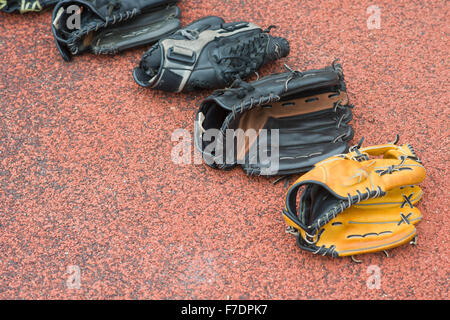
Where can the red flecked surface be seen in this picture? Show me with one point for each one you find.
(86, 176)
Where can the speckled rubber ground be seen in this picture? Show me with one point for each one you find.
(86, 178)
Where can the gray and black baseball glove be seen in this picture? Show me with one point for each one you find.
(208, 54)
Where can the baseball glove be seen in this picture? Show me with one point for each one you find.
(352, 204)
(280, 124)
(110, 26)
(24, 6)
(208, 54)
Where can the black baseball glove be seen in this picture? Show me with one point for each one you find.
(24, 6)
(305, 115)
(208, 54)
(109, 26)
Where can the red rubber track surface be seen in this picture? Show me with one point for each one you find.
(86, 177)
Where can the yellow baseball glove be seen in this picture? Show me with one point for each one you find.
(357, 202)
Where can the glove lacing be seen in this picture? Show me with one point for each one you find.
(244, 58)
